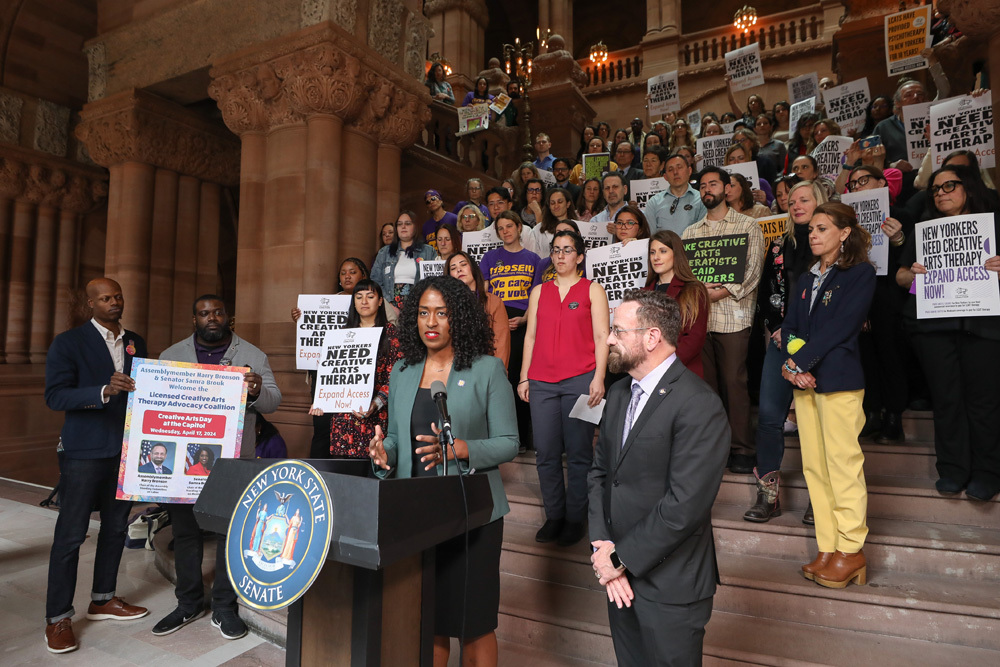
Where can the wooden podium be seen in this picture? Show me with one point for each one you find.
(373, 602)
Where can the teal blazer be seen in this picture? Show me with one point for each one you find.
(474, 393)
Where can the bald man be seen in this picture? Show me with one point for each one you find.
(87, 376)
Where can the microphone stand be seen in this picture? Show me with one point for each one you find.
(446, 439)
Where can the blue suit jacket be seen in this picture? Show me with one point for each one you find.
(149, 467)
(77, 366)
(831, 330)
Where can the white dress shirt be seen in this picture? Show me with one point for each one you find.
(116, 347)
(648, 384)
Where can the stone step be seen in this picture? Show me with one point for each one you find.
(905, 459)
(917, 425)
(915, 547)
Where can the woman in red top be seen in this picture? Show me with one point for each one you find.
(565, 357)
(669, 272)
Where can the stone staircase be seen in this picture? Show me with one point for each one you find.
(933, 593)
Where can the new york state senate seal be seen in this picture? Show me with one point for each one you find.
(279, 535)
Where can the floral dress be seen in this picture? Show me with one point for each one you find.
(350, 436)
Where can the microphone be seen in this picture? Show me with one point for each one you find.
(440, 395)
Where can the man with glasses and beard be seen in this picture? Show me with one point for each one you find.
(657, 468)
(214, 343)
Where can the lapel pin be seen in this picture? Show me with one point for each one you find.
(461, 383)
(130, 348)
(663, 392)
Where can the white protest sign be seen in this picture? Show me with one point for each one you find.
(548, 178)
(641, 190)
(664, 95)
(713, 149)
(728, 127)
(907, 34)
(798, 110)
(915, 119)
(473, 118)
(694, 122)
(803, 87)
(619, 268)
(320, 313)
(847, 104)
(872, 209)
(828, 154)
(744, 66)
(477, 244)
(430, 268)
(956, 283)
(345, 379)
(500, 103)
(747, 170)
(964, 123)
(595, 234)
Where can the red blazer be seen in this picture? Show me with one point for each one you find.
(692, 338)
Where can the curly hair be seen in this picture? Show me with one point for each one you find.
(471, 333)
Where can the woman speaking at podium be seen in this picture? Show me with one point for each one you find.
(445, 336)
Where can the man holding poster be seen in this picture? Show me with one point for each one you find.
(214, 343)
(87, 377)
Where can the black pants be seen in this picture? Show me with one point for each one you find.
(83, 485)
(962, 369)
(188, 552)
(649, 634)
(883, 350)
(514, 375)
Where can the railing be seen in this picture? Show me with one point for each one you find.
(620, 66)
(774, 33)
(494, 152)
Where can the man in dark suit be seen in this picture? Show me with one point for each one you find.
(657, 468)
(87, 376)
(157, 455)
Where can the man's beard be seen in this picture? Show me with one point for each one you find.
(621, 362)
(210, 336)
(711, 201)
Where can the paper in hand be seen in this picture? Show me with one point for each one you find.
(586, 413)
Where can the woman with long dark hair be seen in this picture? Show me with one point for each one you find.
(480, 93)
(462, 267)
(591, 200)
(395, 267)
(820, 338)
(445, 337)
(558, 207)
(435, 82)
(799, 143)
(630, 224)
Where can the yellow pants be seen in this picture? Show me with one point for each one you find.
(833, 464)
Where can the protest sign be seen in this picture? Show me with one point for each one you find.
(907, 34)
(473, 118)
(477, 244)
(828, 154)
(718, 259)
(728, 127)
(547, 177)
(664, 96)
(345, 378)
(915, 119)
(744, 66)
(595, 234)
(798, 110)
(619, 268)
(694, 122)
(748, 170)
(181, 419)
(848, 104)
(429, 268)
(956, 283)
(595, 165)
(773, 227)
(642, 190)
(500, 103)
(803, 87)
(872, 209)
(964, 123)
(713, 149)
(320, 313)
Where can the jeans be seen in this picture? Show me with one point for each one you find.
(85, 484)
(775, 399)
(188, 552)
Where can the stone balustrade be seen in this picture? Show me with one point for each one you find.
(621, 66)
(493, 152)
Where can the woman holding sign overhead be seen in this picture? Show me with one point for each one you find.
(960, 355)
(565, 357)
(445, 337)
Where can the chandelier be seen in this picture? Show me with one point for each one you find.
(436, 58)
(745, 18)
(599, 53)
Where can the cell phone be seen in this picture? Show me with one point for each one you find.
(870, 142)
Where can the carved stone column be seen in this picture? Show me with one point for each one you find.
(557, 102)
(557, 16)
(663, 30)
(459, 34)
(44, 269)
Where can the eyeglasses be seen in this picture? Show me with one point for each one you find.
(563, 251)
(432, 198)
(625, 223)
(947, 186)
(469, 216)
(618, 332)
(673, 207)
(534, 190)
(859, 182)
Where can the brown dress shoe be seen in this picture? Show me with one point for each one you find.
(809, 571)
(842, 570)
(59, 637)
(115, 609)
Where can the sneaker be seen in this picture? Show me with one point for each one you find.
(176, 620)
(59, 637)
(230, 624)
(790, 428)
(549, 531)
(115, 609)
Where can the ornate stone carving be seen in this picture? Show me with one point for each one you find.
(345, 13)
(79, 196)
(385, 26)
(418, 32)
(42, 179)
(11, 178)
(556, 67)
(51, 127)
(322, 79)
(97, 72)
(979, 19)
(43, 185)
(312, 12)
(241, 98)
(10, 117)
(404, 122)
(475, 8)
(136, 126)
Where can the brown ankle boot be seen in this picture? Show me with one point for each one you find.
(767, 505)
(842, 570)
(809, 571)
